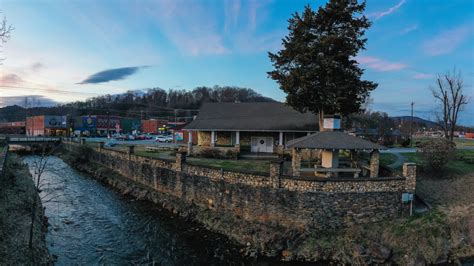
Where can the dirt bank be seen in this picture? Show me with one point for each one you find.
(16, 200)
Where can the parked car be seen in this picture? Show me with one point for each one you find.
(140, 137)
(120, 137)
(169, 138)
(161, 139)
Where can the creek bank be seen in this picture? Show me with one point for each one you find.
(192, 227)
(425, 238)
(16, 201)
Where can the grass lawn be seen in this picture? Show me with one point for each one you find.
(387, 158)
(455, 166)
(159, 155)
(464, 142)
(261, 166)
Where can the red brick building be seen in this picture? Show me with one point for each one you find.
(12, 127)
(154, 126)
(46, 125)
(107, 123)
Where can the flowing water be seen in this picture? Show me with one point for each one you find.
(92, 224)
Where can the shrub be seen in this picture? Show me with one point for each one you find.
(211, 153)
(231, 154)
(437, 153)
(406, 142)
(387, 142)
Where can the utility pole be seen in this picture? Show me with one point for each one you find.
(411, 125)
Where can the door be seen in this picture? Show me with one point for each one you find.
(262, 144)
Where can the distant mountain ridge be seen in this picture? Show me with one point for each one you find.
(416, 119)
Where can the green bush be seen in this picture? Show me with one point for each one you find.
(232, 154)
(437, 153)
(406, 142)
(215, 153)
(211, 153)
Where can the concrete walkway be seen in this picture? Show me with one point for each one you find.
(399, 162)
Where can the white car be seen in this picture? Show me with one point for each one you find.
(161, 139)
(169, 138)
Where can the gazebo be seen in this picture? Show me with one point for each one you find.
(329, 143)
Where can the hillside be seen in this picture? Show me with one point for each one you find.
(144, 104)
(416, 120)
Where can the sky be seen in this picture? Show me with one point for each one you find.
(62, 51)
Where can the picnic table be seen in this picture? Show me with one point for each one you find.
(329, 171)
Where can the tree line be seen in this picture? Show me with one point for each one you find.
(143, 104)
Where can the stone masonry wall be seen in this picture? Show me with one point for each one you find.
(273, 200)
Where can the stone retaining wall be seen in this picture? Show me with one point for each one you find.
(273, 200)
(3, 158)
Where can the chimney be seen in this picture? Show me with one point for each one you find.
(332, 123)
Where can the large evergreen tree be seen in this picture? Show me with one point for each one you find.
(316, 67)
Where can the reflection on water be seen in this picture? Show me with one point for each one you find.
(92, 224)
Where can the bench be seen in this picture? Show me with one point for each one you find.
(329, 171)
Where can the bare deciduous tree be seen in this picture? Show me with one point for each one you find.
(39, 167)
(449, 93)
(5, 31)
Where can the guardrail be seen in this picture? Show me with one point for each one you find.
(33, 139)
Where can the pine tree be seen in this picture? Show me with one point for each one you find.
(317, 67)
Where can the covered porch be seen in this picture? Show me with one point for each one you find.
(340, 155)
(249, 142)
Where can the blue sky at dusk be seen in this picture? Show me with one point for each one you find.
(72, 50)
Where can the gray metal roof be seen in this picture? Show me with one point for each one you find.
(333, 140)
(261, 116)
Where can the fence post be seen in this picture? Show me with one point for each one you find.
(101, 145)
(180, 161)
(409, 172)
(276, 170)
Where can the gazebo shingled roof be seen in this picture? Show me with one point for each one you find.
(331, 140)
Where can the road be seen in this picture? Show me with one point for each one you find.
(399, 150)
(149, 142)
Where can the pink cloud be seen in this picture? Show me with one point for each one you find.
(10, 80)
(378, 64)
(447, 41)
(409, 29)
(380, 14)
(423, 76)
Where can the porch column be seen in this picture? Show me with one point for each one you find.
(374, 163)
(280, 150)
(213, 139)
(237, 141)
(190, 143)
